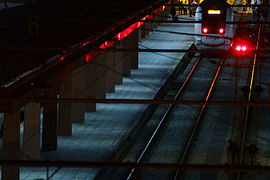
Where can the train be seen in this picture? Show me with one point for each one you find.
(213, 32)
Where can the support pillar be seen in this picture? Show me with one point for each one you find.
(78, 91)
(143, 32)
(91, 85)
(125, 56)
(152, 24)
(49, 130)
(156, 18)
(11, 144)
(110, 79)
(101, 72)
(64, 120)
(140, 34)
(31, 133)
(84, 82)
(118, 66)
(134, 45)
(147, 28)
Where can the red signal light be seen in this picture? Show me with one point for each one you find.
(204, 30)
(221, 30)
(244, 48)
(238, 48)
(241, 48)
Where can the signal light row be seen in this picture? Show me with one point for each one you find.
(241, 48)
(220, 30)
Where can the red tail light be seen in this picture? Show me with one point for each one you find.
(205, 30)
(221, 31)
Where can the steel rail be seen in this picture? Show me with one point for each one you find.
(197, 123)
(244, 127)
(164, 119)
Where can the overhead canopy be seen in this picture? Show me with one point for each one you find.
(214, 3)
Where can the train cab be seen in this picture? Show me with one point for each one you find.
(213, 32)
(213, 21)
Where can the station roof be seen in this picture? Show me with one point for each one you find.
(61, 24)
(211, 3)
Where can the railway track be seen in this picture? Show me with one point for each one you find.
(198, 134)
(185, 139)
(248, 144)
(179, 124)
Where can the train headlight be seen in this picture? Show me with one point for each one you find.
(221, 30)
(205, 30)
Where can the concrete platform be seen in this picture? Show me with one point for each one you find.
(103, 130)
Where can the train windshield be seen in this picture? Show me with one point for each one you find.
(214, 21)
(214, 16)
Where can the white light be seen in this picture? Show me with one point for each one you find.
(221, 30)
(244, 48)
(238, 48)
(213, 11)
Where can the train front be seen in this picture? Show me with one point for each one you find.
(213, 32)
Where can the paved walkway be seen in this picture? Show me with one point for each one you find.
(102, 131)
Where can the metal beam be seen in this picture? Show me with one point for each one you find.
(134, 101)
(188, 167)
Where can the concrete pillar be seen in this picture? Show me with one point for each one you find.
(78, 91)
(110, 79)
(49, 126)
(64, 120)
(31, 133)
(87, 81)
(101, 72)
(144, 31)
(72, 86)
(157, 18)
(152, 24)
(125, 43)
(11, 144)
(140, 34)
(91, 85)
(118, 66)
(147, 28)
(134, 45)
